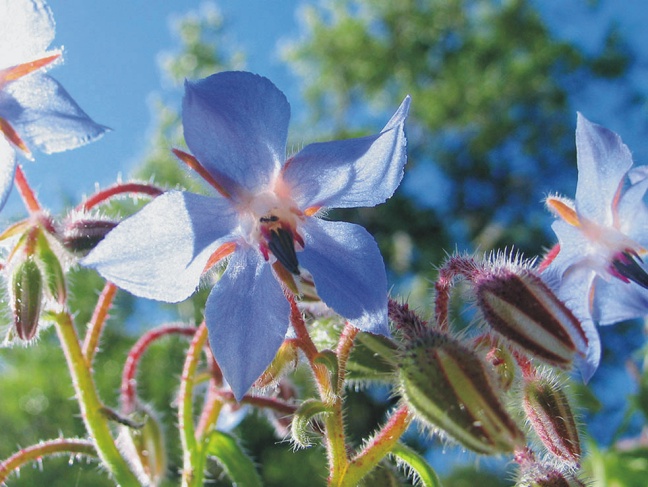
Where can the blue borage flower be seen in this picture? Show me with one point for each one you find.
(599, 270)
(35, 110)
(265, 220)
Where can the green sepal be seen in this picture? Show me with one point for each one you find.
(52, 269)
(238, 466)
(301, 419)
(427, 476)
(373, 358)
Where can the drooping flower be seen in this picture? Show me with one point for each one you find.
(35, 110)
(264, 219)
(598, 269)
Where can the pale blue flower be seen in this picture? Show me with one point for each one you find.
(236, 124)
(603, 234)
(35, 110)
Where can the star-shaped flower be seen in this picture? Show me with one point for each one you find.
(598, 269)
(264, 219)
(35, 110)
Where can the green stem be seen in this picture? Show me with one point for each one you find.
(91, 407)
(96, 325)
(376, 449)
(191, 475)
(33, 453)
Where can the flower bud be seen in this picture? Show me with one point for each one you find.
(519, 306)
(145, 447)
(52, 270)
(27, 298)
(448, 386)
(542, 476)
(548, 410)
(500, 358)
(81, 236)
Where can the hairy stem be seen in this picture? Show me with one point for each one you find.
(59, 446)
(91, 407)
(97, 322)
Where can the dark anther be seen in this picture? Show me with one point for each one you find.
(282, 245)
(268, 219)
(628, 264)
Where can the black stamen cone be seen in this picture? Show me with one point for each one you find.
(630, 267)
(282, 245)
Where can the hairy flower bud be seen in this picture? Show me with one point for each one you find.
(542, 476)
(548, 410)
(27, 298)
(518, 304)
(286, 359)
(448, 386)
(81, 236)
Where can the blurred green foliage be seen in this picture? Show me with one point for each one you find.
(491, 90)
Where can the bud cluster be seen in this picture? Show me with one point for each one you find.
(467, 387)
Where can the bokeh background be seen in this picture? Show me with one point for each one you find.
(495, 84)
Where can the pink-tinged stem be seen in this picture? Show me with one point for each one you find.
(26, 193)
(345, 344)
(60, 446)
(118, 190)
(97, 322)
(191, 476)
(456, 266)
(377, 448)
(92, 409)
(129, 376)
(334, 421)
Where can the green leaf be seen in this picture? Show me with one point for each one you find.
(426, 474)
(237, 465)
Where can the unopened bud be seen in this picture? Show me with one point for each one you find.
(542, 476)
(519, 306)
(500, 358)
(450, 388)
(81, 236)
(145, 447)
(27, 298)
(52, 269)
(548, 410)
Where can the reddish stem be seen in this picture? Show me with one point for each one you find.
(304, 340)
(117, 190)
(98, 320)
(26, 193)
(129, 380)
(345, 344)
(51, 447)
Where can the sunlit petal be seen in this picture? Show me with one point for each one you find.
(45, 116)
(247, 318)
(26, 31)
(236, 124)
(348, 271)
(161, 251)
(350, 173)
(7, 169)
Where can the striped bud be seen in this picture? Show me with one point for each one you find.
(448, 386)
(548, 410)
(27, 298)
(542, 476)
(81, 236)
(519, 306)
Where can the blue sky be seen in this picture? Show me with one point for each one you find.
(112, 47)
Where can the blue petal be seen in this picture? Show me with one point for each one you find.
(26, 30)
(161, 251)
(45, 116)
(633, 212)
(616, 301)
(348, 271)
(350, 173)
(236, 124)
(603, 161)
(7, 169)
(247, 317)
(573, 247)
